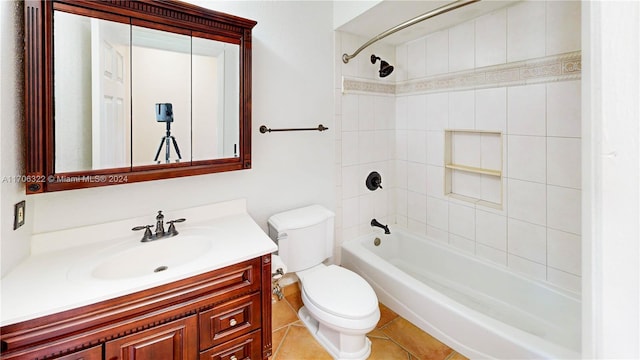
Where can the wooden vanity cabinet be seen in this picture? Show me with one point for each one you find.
(223, 314)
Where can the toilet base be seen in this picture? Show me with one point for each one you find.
(339, 345)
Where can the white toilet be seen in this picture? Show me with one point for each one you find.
(340, 307)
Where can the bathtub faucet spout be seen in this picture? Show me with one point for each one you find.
(375, 222)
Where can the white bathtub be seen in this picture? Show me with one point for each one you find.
(479, 309)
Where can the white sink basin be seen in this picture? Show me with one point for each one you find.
(132, 258)
(154, 256)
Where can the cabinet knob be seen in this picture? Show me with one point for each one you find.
(232, 322)
(233, 357)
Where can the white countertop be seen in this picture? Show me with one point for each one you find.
(56, 278)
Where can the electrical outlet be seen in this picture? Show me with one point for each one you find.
(18, 214)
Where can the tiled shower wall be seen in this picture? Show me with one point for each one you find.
(537, 230)
(365, 142)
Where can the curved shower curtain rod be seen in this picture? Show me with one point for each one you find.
(441, 10)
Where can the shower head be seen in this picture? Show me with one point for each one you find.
(385, 68)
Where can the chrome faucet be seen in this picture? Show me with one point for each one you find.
(159, 232)
(375, 222)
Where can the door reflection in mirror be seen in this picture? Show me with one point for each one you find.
(92, 93)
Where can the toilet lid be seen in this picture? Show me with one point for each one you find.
(340, 292)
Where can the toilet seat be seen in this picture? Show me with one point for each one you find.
(340, 292)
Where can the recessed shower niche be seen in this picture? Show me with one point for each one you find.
(473, 166)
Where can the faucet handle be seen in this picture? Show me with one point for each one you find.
(172, 228)
(141, 227)
(147, 232)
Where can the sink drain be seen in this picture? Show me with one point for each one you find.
(160, 268)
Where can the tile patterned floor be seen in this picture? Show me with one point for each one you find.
(393, 338)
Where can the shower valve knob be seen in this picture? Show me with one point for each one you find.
(374, 181)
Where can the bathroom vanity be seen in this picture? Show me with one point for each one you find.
(62, 303)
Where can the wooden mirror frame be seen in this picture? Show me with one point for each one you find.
(169, 15)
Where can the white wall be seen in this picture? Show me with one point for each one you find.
(291, 88)
(611, 294)
(14, 244)
(345, 10)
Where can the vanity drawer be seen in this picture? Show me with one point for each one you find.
(228, 320)
(94, 353)
(243, 348)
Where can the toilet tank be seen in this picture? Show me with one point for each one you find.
(304, 236)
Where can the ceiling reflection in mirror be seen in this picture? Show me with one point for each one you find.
(109, 78)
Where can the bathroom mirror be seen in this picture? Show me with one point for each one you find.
(98, 75)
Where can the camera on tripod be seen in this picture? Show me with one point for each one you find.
(164, 113)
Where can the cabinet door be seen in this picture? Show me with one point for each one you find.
(177, 340)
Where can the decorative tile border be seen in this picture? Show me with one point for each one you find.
(364, 86)
(561, 67)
